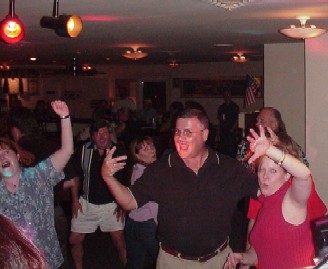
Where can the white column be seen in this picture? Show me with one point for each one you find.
(316, 66)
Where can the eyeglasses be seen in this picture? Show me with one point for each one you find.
(186, 132)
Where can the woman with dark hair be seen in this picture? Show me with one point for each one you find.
(141, 223)
(281, 237)
(16, 250)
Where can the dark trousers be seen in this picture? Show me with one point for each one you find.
(140, 239)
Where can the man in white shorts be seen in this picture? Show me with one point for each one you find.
(96, 206)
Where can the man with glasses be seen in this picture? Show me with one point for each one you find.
(96, 206)
(197, 191)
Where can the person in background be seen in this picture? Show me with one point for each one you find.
(42, 114)
(96, 207)
(141, 224)
(16, 250)
(148, 114)
(26, 194)
(281, 237)
(228, 125)
(165, 142)
(102, 111)
(197, 190)
(124, 100)
(127, 128)
(269, 117)
(170, 117)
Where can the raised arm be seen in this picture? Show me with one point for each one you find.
(301, 183)
(122, 194)
(60, 158)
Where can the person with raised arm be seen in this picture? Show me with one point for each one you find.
(26, 194)
(281, 237)
(188, 185)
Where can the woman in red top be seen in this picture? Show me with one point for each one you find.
(281, 237)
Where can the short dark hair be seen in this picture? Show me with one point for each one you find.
(195, 113)
(136, 146)
(24, 120)
(98, 124)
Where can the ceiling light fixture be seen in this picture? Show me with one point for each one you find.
(4, 67)
(229, 4)
(11, 28)
(239, 58)
(135, 54)
(64, 25)
(173, 64)
(303, 31)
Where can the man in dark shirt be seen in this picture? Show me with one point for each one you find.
(96, 206)
(197, 191)
(228, 125)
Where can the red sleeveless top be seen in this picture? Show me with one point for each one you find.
(279, 244)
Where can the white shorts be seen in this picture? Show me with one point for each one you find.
(94, 216)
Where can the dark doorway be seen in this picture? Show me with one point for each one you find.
(156, 92)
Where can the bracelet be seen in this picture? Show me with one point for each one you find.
(65, 117)
(282, 159)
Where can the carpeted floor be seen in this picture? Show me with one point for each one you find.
(99, 253)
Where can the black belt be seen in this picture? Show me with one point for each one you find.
(191, 258)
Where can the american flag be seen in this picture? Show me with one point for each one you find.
(251, 89)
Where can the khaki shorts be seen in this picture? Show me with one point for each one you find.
(94, 216)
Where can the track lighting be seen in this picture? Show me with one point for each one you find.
(64, 25)
(11, 28)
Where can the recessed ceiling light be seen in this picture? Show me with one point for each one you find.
(107, 59)
(33, 59)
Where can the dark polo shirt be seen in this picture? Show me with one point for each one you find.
(194, 210)
(98, 191)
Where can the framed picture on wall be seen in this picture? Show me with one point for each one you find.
(33, 87)
(196, 88)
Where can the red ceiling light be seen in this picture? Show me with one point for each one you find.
(11, 28)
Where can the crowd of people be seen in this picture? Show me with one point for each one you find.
(171, 195)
